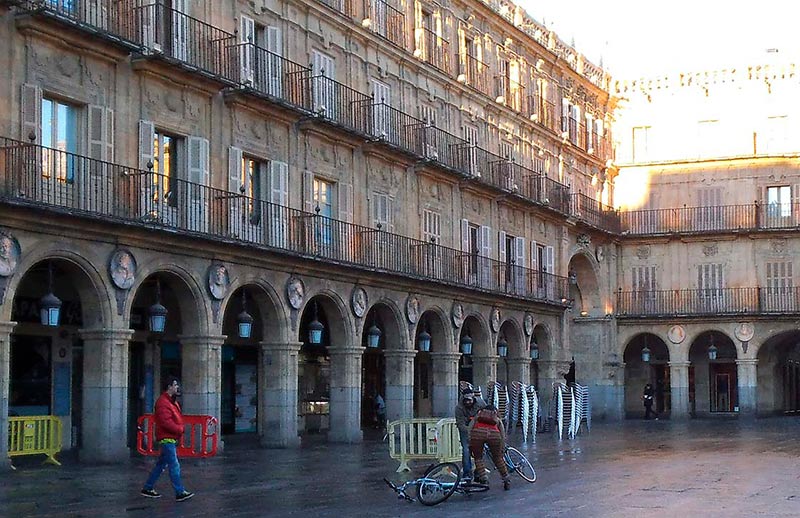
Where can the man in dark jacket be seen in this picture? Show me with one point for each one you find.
(169, 429)
(465, 412)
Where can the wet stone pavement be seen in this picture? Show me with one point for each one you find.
(708, 468)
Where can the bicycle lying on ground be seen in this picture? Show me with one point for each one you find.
(517, 462)
(437, 484)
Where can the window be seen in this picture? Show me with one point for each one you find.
(165, 167)
(260, 58)
(641, 137)
(323, 198)
(470, 134)
(323, 73)
(710, 214)
(779, 202)
(643, 278)
(382, 211)
(779, 293)
(381, 115)
(431, 226)
(711, 284)
(59, 132)
(253, 172)
(428, 114)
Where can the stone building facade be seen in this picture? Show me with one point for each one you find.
(417, 167)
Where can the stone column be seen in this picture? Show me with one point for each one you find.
(519, 369)
(5, 365)
(484, 370)
(277, 400)
(679, 389)
(747, 376)
(399, 395)
(201, 374)
(345, 400)
(105, 395)
(550, 371)
(445, 383)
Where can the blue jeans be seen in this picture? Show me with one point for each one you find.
(167, 458)
(466, 458)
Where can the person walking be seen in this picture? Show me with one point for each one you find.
(169, 429)
(648, 398)
(487, 428)
(465, 412)
(380, 411)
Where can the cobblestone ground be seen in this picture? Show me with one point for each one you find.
(711, 468)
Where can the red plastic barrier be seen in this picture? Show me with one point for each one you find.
(199, 440)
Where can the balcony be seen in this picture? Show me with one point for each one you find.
(723, 218)
(265, 74)
(433, 49)
(57, 181)
(475, 73)
(708, 302)
(595, 213)
(345, 7)
(511, 94)
(339, 104)
(386, 21)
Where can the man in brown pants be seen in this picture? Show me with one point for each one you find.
(487, 428)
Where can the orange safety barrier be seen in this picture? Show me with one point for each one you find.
(199, 440)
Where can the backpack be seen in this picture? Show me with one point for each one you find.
(487, 416)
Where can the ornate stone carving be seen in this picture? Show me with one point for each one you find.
(295, 292)
(744, 332)
(643, 252)
(676, 334)
(358, 301)
(710, 250)
(583, 240)
(527, 324)
(10, 252)
(778, 246)
(412, 309)
(457, 314)
(218, 281)
(494, 320)
(122, 269)
(67, 64)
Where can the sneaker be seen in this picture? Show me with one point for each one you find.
(506, 484)
(186, 495)
(482, 480)
(150, 493)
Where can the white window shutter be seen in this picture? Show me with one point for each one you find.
(146, 138)
(519, 251)
(345, 193)
(549, 255)
(31, 113)
(796, 203)
(486, 244)
(247, 37)
(108, 133)
(501, 247)
(95, 130)
(235, 170)
(308, 191)
(274, 40)
(534, 256)
(465, 236)
(197, 158)
(274, 62)
(389, 214)
(279, 183)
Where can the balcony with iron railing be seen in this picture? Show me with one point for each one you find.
(385, 20)
(339, 104)
(712, 219)
(510, 93)
(266, 74)
(433, 49)
(53, 180)
(345, 7)
(709, 302)
(595, 213)
(475, 73)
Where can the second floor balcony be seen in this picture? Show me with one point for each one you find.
(433, 49)
(510, 93)
(66, 183)
(384, 19)
(709, 302)
(475, 73)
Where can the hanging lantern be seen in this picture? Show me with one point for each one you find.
(424, 341)
(50, 305)
(502, 348)
(712, 350)
(373, 336)
(157, 314)
(244, 320)
(315, 329)
(534, 351)
(466, 344)
(646, 354)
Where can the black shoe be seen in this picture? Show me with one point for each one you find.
(506, 484)
(186, 495)
(150, 493)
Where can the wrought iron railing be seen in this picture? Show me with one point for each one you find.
(397, 128)
(345, 7)
(435, 49)
(595, 213)
(700, 302)
(268, 74)
(476, 74)
(386, 20)
(510, 93)
(56, 180)
(338, 103)
(723, 218)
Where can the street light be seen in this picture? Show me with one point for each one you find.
(534, 350)
(315, 328)
(50, 305)
(466, 344)
(645, 351)
(245, 320)
(502, 348)
(424, 341)
(712, 349)
(157, 313)
(373, 335)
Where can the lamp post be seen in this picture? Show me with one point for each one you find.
(534, 350)
(315, 328)
(502, 347)
(373, 335)
(50, 305)
(157, 313)
(712, 349)
(244, 320)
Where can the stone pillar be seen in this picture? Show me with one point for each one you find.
(201, 374)
(105, 395)
(550, 371)
(747, 376)
(445, 383)
(399, 395)
(679, 389)
(277, 400)
(5, 365)
(484, 370)
(345, 400)
(519, 369)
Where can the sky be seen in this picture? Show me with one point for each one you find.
(645, 38)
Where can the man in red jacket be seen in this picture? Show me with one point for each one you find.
(169, 429)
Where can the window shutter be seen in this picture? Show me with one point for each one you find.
(501, 248)
(235, 170)
(519, 252)
(108, 132)
(465, 236)
(197, 149)
(274, 40)
(274, 63)
(247, 35)
(534, 256)
(31, 113)
(308, 191)
(796, 203)
(95, 130)
(390, 214)
(345, 202)
(279, 183)
(146, 137)
(486, 244)
(549, 259)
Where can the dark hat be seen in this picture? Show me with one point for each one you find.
(467, 393)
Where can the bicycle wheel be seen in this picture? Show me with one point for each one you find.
(473, 487)
(438, 483)
(520, 464)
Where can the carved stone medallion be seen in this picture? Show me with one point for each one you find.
(358, 301)
(744, 332)
(457, 314)
(218, 281)
(122, 269)
(9, 254)
(527, 324)
(676, 334)
(412, 309)
(495, 320)
(295, 292)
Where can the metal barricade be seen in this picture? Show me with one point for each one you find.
(448, 439)
(35, 435)
(431, 438)
(199, 439)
